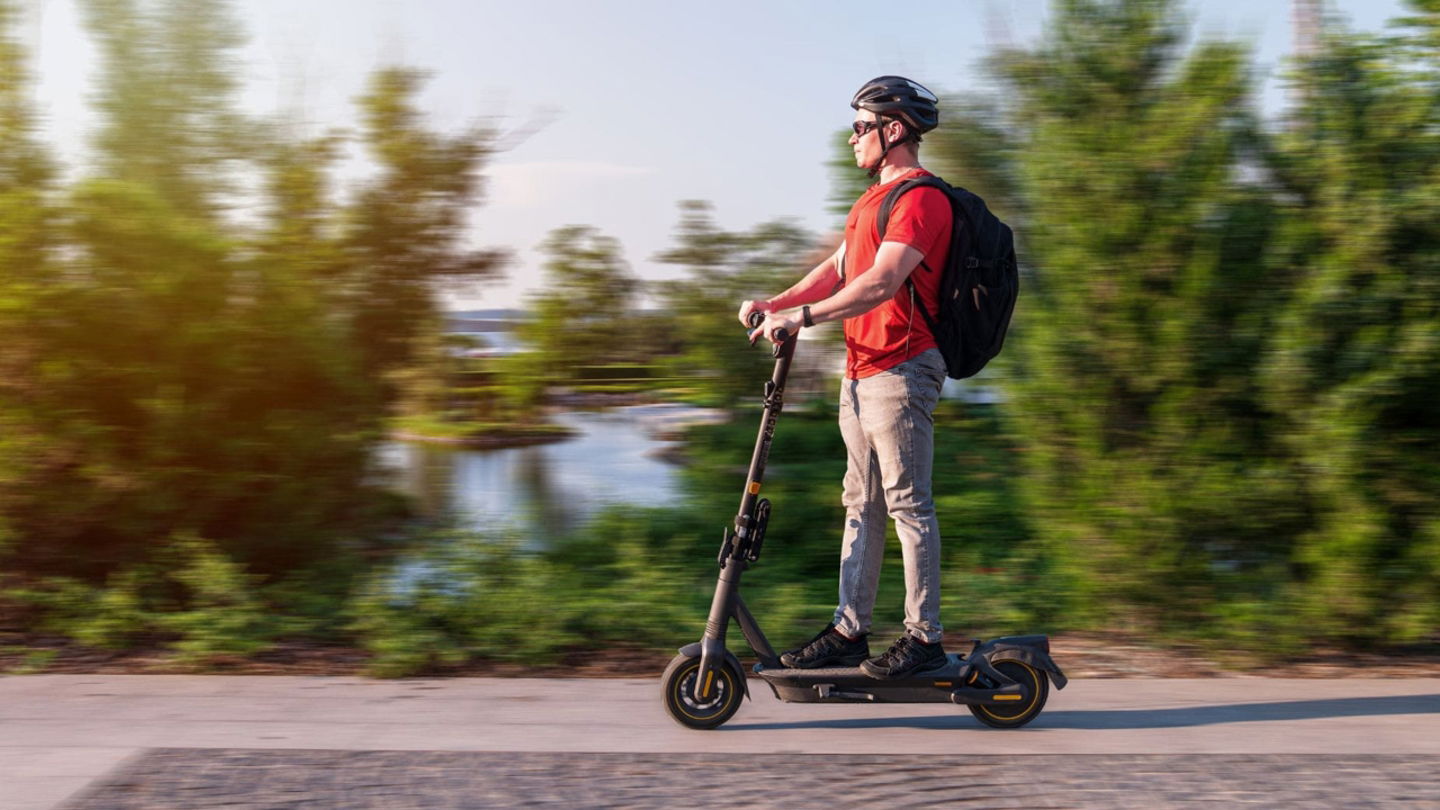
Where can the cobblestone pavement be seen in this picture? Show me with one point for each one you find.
(196, 779)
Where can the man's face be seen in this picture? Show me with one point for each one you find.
(865, 140)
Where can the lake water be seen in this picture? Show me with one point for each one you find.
(540, 490)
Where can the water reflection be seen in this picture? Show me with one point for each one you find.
(540, 490)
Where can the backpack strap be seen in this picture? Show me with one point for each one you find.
(882, 219)
(924, 313)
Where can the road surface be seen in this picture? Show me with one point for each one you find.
(131, 741)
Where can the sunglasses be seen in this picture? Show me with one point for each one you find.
(862, 127)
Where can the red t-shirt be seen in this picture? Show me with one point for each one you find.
(893, 331)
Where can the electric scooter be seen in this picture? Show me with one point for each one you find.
(1004, 682)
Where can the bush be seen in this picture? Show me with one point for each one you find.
(194, 600)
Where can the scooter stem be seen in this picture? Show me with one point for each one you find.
(733, 559)
(774, 403)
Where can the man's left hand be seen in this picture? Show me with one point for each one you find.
(774, 321)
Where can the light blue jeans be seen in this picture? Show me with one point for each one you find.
(888, 424)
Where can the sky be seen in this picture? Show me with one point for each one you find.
(613, 112)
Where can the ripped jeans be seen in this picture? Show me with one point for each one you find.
(889, 430)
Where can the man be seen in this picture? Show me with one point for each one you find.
(892, 381)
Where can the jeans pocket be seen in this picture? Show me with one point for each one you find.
(931, 360)
(925, 376)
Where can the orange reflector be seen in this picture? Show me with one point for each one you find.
(754, 487)
(942, 683)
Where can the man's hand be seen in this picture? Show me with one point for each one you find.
(749, 307)
(776, 320)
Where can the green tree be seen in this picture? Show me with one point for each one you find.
(181, 373)
(726, 268)
(1131, 375)
(586, 314)
(405, 235)
(166, 98)
(1353, 370)
(973, 147)
(27, 234)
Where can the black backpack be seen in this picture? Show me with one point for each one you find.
(978, 284)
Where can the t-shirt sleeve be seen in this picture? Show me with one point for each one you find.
(919, 219)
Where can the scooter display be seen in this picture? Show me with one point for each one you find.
(1004, 682)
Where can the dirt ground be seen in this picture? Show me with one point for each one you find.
(1078, 655)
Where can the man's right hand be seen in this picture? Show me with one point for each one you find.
(749, 307)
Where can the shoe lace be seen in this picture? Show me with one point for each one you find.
(825, 641)
(899, 650)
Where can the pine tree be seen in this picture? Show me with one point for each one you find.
(1353, 367)
(1130, 375)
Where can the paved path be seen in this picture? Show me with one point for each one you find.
(59, 733)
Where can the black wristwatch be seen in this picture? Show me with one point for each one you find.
(805, 316)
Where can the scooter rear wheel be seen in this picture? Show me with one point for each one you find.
(1035, 688)
(682, 699)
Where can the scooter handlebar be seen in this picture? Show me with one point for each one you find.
(756, 318)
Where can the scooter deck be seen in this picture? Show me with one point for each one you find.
(852, 685)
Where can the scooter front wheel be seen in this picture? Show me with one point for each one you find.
(1034, 686)
(683, 698)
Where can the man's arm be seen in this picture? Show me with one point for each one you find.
(894, 262)
(817, 285)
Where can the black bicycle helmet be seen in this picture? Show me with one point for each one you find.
(899, 97)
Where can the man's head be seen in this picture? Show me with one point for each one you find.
(890, 111)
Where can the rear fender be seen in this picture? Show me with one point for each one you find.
(693, 649)
(1032, 650)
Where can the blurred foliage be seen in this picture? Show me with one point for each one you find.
(27, 235)
(847, 181)
(725, 268)
(632, 578)
(642, 578)
(469, 596)
(585, 316)
(1146, 307)
(165, 98)
(1217, 420)
(181, 357)
(1352, 370)
(193, 599)
(1221, 360)
(403, 236)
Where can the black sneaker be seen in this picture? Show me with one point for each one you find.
(828, 649)
(907, 655)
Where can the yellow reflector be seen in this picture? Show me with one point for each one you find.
(709, 676)
(1009, 697)
(754, 487)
